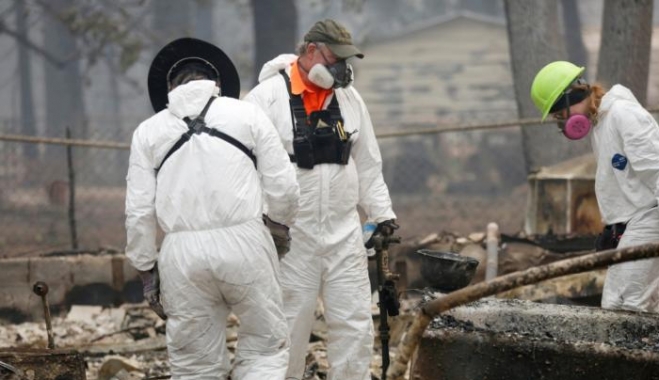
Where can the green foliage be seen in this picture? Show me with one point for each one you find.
(103, 27)
(130, 53)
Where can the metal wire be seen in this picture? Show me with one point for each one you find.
(435, 184)
(405, 129)
(69, 142)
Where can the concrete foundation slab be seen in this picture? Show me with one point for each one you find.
(84, 279)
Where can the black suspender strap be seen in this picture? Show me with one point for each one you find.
(197, 126)
(298, 112)
(334, 110)
(193, 125)
(286, 79)
(184, 138)
(230, 140)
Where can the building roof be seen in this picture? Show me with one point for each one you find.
(457, 70)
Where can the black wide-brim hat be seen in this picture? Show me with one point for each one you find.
(185, 50)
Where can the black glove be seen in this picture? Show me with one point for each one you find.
(280, 235)
(151, 290)
(385, 228)
(609, 237)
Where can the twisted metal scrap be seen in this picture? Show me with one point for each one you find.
(500, 284)
(9, 372)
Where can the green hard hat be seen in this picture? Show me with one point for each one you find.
(550, 82)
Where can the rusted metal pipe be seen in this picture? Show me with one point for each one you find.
(387, 294)
(40, 288)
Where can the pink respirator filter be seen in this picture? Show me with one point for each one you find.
(576, 127)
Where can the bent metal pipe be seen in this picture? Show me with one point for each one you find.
(40, 288)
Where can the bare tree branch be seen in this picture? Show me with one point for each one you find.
(49, 57)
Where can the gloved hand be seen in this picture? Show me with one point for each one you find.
(385, 228)
(609, 237)
(151, 290)
(280, 234)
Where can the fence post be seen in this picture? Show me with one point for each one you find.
(72, 195)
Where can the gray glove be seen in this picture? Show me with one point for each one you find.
(280, 235)
(151, 290)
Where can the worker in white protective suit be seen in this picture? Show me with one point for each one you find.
(201, 167)
(625, 140)
(327, 131)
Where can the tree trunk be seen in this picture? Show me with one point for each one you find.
(204, 20)
(64, 93)
(275, 30)
(576, 50)
(117, 171)
(27, 122)
(624, 56)
(535, 40)
(171, 20)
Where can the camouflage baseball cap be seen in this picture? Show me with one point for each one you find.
(335, 36)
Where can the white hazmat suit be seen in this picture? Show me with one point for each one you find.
(626, 144)
(327, 256)
(217, 256)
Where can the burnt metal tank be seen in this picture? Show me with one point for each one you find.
(446, 271)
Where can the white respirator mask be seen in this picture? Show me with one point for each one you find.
(337, 75)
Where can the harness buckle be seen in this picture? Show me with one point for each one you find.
(197, 125)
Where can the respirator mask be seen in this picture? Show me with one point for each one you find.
(336, 75)
(574, 126)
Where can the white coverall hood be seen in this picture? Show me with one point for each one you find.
(190, 98)
(327, 256)
(626, 145)
(617, 92)
(274, 66)
(217, 255)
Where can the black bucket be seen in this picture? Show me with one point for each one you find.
(446, 271)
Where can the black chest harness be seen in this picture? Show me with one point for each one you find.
(318, 138)
(198, 126)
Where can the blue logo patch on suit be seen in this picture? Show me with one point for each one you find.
(619, 161)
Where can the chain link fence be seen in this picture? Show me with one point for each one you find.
(56, 197)
(60, 195)
(456, 182)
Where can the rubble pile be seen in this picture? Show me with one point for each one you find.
(128, 342)
(132, 331)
